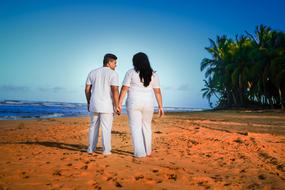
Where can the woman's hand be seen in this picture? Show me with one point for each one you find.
(160, 112)
(119, 109)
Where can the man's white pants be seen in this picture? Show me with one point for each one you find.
(140, 124)
(104, 120)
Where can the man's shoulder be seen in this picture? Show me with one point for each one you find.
(112, 72)
(104, 71)
(95, 70)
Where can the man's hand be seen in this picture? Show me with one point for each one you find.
(88, 95)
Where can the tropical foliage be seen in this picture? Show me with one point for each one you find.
(246, 71)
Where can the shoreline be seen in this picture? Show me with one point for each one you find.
(236, 111)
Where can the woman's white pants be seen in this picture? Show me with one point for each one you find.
(139, 118)
(104, 120)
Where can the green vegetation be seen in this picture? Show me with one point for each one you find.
(248, 71)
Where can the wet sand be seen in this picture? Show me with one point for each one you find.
(201, 150)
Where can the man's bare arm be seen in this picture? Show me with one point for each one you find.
(115, 93)
(88, 94)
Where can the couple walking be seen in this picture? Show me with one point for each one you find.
(104, 99)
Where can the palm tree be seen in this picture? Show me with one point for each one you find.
(208, 91)
(215, 67)
(241, 70)
(277, 65)
(247, 70)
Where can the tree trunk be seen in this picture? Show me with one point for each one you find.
(281, 98)
(271, 103)
(234, 98)
(241, 91)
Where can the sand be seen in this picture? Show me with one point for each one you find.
(190, 151)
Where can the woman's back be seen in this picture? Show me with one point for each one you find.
(137, 90)
(132, 79)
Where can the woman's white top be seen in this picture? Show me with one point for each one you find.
(137, 92)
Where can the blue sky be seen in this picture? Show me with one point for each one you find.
(48, 47)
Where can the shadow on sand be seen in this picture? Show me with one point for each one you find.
(73, 147)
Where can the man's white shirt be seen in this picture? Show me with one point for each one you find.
(102, 79)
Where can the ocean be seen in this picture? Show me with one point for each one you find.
(19, 109)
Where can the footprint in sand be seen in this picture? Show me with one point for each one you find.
(173, 177)
(139, 177)
(208, 155)
(242, 171)
(118, 184)
(25, 176)
(100, 172)
(262, 177)
(253, 186)
(204, 184)
(96, 186)
(57, 172)
(84, 167)
(217, 178)
(136, 161)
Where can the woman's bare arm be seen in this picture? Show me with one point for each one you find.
(123, 93)
(158, 96)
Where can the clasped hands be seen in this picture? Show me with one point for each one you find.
(118, 110)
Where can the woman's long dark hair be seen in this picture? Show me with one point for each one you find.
(142, 66)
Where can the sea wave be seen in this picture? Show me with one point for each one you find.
(53, 115)
(18, 109)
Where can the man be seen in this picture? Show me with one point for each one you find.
(102, 96)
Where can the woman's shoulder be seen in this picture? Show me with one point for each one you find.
(130, 71)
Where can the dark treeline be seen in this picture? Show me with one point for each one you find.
(248, 71)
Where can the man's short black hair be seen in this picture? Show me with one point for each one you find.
(108, 57)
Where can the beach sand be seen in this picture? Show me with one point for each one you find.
(201, 150)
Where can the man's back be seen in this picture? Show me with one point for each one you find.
(101, 80)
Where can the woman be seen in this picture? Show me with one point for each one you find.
(140, 83)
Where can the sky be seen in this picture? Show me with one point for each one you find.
(47, 48)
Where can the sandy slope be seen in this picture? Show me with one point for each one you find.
(187, 152)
